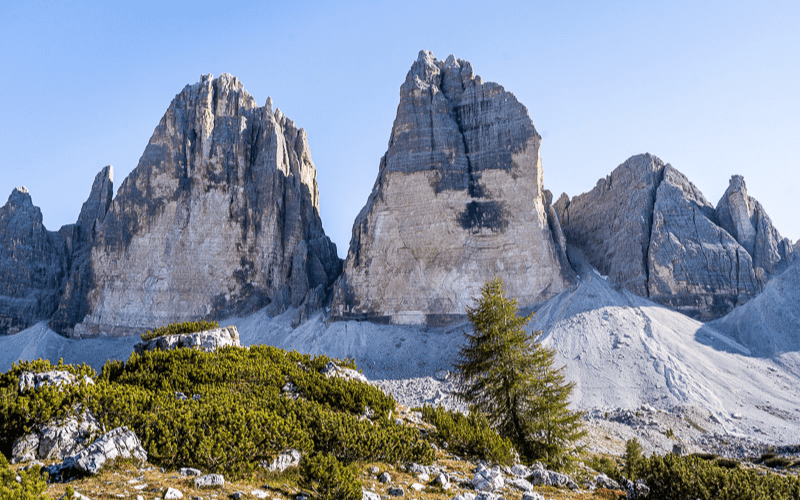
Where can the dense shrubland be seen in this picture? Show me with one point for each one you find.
(234, 416)
(180, 328)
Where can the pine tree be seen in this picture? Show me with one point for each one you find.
(506, 374)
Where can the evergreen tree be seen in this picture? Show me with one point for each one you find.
(506, 374)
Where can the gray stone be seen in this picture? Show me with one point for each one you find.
(694, 266)
(458, 200)
(290, 458)
(369, 495)
(331, 369)
(603, 481)
(385, 478)
(543, 477)
(79, 239)
(25, 449)
(61, 439)
(442, 481)
(397, 492)
(488, 479)
(118, 443)
(209, 341)
(520, 483)
(532, 495)
(172, 494)
(33, 262)
(747, 221)
(261, 494)
(189, 471)
(209, 481)
(220, 217)
(58, 378)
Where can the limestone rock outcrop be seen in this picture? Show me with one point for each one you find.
(693, 265)
(118, 443)
(611, 223)
(220, 217)
(653, 232)
(208, 341)
(32, 264)
(458, 200)
(747, 221)
(79, 239)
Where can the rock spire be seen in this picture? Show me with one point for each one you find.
(458, 200)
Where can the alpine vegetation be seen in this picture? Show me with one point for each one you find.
(507, 375)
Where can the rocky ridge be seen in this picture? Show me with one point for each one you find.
(458, 200)
(32, 264)
(650, 230)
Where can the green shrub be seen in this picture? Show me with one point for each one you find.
(633, 458)
(328, 479)
(468, 435)
(20, 413)
(605, 465)
(31, 486)
(705, 456)
(774, 462)
(727, 463)
(180, 328)
(674, 478)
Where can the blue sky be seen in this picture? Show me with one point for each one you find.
(710, 87)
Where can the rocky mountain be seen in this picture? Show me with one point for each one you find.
(220, 217)
(651, 231)
(32, 264)
(458, 200)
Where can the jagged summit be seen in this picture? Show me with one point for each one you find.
(32, 264)
(458, 200)
(221, 216)
(652, 231)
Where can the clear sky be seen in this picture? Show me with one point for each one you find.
(708, 86)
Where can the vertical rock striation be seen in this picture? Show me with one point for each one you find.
(79, 239)
(458, 200)
(611, 223)
(32, 264)
(694, 266)
(747, 221)
(220, 217)
(651, 231)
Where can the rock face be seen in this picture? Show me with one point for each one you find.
(208, 341)
(118, 443)
(693, 265)
(747, 221)
(220, 217)
(32, 264)
(79, 239)
(57, 440)
(458, 200)
(651, 231)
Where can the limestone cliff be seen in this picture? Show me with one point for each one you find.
(32, 264)
(651, 230)
(79, 240)
(220, 217)
(694, 266)
(747, 221)
(458, 200)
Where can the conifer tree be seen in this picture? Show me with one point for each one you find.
(506, 374)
